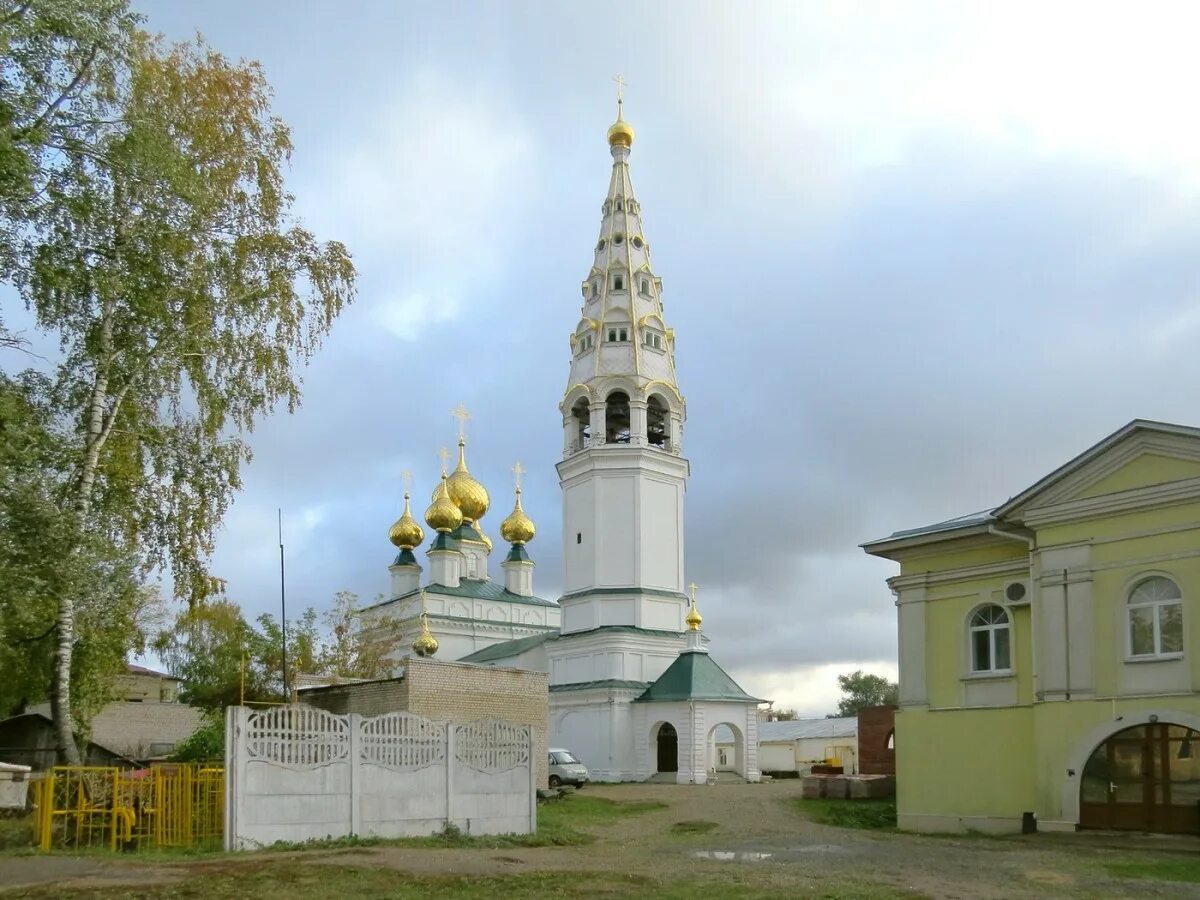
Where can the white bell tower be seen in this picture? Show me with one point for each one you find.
(623, 480)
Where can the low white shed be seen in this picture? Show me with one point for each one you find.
(14, 785)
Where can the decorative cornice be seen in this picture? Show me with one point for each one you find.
(966, 573)
(1152, 497)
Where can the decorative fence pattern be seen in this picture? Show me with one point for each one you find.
(170, 805)
(298, 774)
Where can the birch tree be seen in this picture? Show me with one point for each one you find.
(185, 297)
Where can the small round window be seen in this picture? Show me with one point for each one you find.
(636, 241)
(618, 238)
(603, 243)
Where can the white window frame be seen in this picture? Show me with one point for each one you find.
(1156, 606)
(990, 628)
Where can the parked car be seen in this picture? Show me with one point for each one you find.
(566, 769)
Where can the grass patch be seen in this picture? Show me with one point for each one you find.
(868, 814)
(303, 882)
(697, 826)
(1166, 870)
(16, 832)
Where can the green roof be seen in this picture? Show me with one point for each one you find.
(476, 590)
(617, 683)
(506, 649)
(694, 676)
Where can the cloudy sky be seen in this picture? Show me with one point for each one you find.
(916, 256)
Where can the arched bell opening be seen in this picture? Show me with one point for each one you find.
(582, 416)
(658, 423)
(616, 418)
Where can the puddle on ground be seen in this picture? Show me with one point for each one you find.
(731, 856)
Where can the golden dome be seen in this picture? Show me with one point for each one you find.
(425, 644)
(442, 514)
(694, 618)
(487, 541)
(518, 528)
(406, 533)
(468, 495)
(621, 134)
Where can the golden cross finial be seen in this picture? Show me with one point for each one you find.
(422, 601)
(692, 587)
(406, 480)
(444, 453)
(518, 470)
(621, 82)
(462, 415)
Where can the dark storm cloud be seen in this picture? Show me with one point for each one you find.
(877, 328)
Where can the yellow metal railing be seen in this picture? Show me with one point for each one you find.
(168, 805)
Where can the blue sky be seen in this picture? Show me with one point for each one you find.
(916, 256)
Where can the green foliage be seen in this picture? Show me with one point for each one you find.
(206, 743)
(145, 222)
(37, 530)
(862, 689)
(867, 814)
(222, 659)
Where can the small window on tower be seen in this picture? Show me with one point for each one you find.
(636, 241)
(619, 208)
(618, 283)
(618, 239)
(603, 243)
(624, 335)
(579, 537)
(612, 335)
(645, 288)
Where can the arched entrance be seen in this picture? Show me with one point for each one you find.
(1144, 778)
(668, 748)
(726, 749)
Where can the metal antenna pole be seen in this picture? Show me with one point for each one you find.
(283, 611)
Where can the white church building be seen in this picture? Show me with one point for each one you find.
(633, 690)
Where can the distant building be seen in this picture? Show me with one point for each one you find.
(145, 724)
(794, 746)
(1050, 649)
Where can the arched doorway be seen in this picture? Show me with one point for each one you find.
(668, 748)
(1144, 778)
(726, 749)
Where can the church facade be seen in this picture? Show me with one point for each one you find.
(633, 690)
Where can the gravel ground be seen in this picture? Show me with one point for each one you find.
(760, 840)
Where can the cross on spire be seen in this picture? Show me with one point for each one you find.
(406, 480)
(463, 416)
(518, 470)
(621, 82)
(692, 587)
(444, 454)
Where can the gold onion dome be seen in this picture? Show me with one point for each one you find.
(518, 528)
(620, 134)
(425, 644)
(442, 514)
(694, 618)
(406, 533)
(468, 494)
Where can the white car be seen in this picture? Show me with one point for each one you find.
(566, 769)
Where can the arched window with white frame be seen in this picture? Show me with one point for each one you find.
(991, 639)
(1155, 618)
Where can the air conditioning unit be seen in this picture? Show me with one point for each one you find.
(1017, 593)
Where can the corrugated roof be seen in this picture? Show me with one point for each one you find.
(694, 676)
(796, 729)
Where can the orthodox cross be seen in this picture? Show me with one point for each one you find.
(406, 480)
(621, 82)
(462, 415)
(444, 453)
(693, 587)
(518, 470)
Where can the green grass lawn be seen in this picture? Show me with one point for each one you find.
(869, 814)
(16, 832)
(1160, 870)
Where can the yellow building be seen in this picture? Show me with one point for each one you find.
(1049, 649)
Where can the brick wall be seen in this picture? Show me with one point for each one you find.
(451, 691)
(875, 725)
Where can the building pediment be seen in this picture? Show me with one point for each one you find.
(1143, 464)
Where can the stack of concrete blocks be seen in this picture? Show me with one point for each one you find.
(851, 787)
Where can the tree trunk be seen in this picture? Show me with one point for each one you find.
(60, 698)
